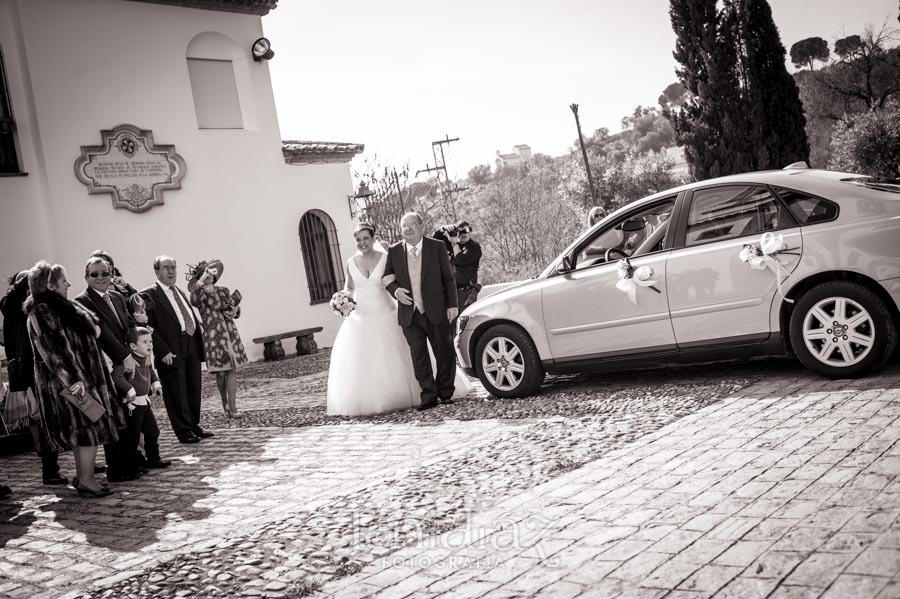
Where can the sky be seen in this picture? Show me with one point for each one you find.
(397, 75)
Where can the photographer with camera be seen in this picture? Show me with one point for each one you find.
(465, 257)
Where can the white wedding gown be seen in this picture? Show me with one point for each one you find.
(371, 367)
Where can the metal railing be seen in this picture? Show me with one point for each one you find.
(321, 256)
(9, 158)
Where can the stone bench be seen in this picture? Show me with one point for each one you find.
(272, 349)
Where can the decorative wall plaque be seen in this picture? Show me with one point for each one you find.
(130, 167)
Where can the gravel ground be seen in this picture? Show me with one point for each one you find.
(565, 396)
(250, 375)
(573, 420)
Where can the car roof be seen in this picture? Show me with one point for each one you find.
(811, 178)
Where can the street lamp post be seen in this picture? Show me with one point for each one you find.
(587, 165)
(363, 193)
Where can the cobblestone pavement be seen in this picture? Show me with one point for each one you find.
(642, 477)
(786, 489)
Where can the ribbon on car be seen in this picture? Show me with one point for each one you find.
(630, 278)
(762, 256)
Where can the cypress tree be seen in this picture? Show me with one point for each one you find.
(697, 124)
(744, 111)
(772, 95)
(737, 122)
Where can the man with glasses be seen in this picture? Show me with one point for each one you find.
(111, 310)
(466, 259)
(177, 349)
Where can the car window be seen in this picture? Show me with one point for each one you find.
(634, 235)
(725, 212)
(808, 209)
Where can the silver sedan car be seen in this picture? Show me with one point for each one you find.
(798, 261)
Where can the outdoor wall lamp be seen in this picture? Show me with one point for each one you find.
(362, 194)
(262, 49)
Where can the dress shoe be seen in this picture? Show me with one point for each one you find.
(160, 463)
(5, 491)
(427, 406)
(75, 482)
(86, 492)
(189, 439)
(447, 402)
(123, 477)
(204, 434)
(55, 479)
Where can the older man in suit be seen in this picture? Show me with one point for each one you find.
(177, 349)
(424, 285)
(110, 308)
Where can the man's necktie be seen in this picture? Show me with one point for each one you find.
(415, 279)
(189, 326)
(112, 308)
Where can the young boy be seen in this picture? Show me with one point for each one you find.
(137, 388)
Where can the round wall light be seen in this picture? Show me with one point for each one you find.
(262, 49)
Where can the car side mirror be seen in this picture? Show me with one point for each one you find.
(565, 265)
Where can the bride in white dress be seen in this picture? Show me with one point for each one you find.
(371, 369)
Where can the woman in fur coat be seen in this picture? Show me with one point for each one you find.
(67, 358)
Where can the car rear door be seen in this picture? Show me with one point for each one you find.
(715, 297)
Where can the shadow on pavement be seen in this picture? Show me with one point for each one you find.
(162, 506)
(13, 522)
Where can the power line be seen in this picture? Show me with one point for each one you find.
(440, 167)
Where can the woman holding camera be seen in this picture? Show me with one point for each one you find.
(218, 308)
(74, 388)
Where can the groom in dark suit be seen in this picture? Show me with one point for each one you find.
(178, 349)
(425, 288)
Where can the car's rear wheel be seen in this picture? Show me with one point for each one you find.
(508, 362)
(842, 329)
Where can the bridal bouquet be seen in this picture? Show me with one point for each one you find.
(342, 303)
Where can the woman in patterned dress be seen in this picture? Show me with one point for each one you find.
(221, 340)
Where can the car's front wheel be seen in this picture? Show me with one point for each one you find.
(508, 363)
(842, 329)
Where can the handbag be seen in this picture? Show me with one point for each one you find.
(21, 409)
(86, 403)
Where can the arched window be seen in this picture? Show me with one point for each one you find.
(9, 159)
(213, 68)
(321, 256)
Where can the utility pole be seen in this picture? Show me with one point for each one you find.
(399, 191)
(440, 166)
(587, 165)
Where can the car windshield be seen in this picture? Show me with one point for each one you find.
(879, 183)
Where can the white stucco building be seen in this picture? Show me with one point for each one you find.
(276, 213)
(521, 154)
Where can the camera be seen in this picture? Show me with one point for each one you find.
(444, 233)
(447, 231)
